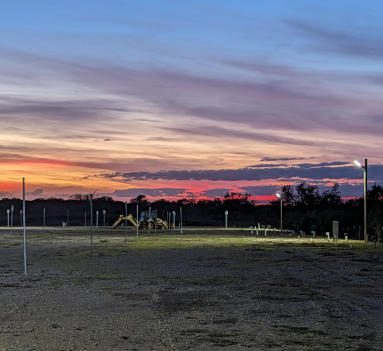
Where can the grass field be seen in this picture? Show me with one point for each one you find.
(206, 289)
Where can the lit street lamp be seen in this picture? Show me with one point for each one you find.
(279, 196)
(364, 168)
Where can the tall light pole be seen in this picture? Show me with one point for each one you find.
(279, 196)
(104, 213)
(226, 214)
(364, 168)
(97, 212)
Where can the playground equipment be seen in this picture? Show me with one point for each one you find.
(144, 222)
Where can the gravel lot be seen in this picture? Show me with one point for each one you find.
(221, 290)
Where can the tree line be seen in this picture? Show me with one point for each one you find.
(305, 208)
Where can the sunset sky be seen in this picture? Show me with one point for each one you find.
(189, 98)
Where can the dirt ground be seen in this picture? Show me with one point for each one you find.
(203, 290)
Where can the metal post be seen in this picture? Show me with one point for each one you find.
(44, 217)
(365, 200)
(181, 219)
(281, 213)
(226, 214)
(174, 220)
(8, 212)
(67, 219)
(97, 218)
(104, 214)
(126, 222)
(137, 220)
(21, 218)
(91, 220)
(150, 214)
(24, 232)
(12, 209)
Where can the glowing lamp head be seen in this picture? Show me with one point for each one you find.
(357, 163)
(278, 195)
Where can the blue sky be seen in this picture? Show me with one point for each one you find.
(219, 85)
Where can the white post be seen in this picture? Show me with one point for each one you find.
(365, 201)
(97, 218)
(91, 220)
(226, 214)
(174, 220)
(137, 220)
(12, 209)
(181, 220)
(150, 214)
(24, 231)
(8, 212)
(126, 222)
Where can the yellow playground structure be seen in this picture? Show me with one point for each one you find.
(152, 223)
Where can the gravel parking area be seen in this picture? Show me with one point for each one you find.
(227, 291)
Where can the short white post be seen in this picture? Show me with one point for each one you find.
(12, 210)
(8, 212)
(150, 215)
(138, 221)
(181, 220)
(174, 220)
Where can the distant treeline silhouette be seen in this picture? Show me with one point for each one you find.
(304, 208)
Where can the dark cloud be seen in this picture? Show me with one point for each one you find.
(156, 192)
(304, 171)
(37, 192)
(217, 192)
(362, 44)
(271, 159)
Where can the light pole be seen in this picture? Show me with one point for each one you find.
(97, 219)
(104, 213)
(226, 214)
(279, 196)
(44, 217)
(364, 168)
